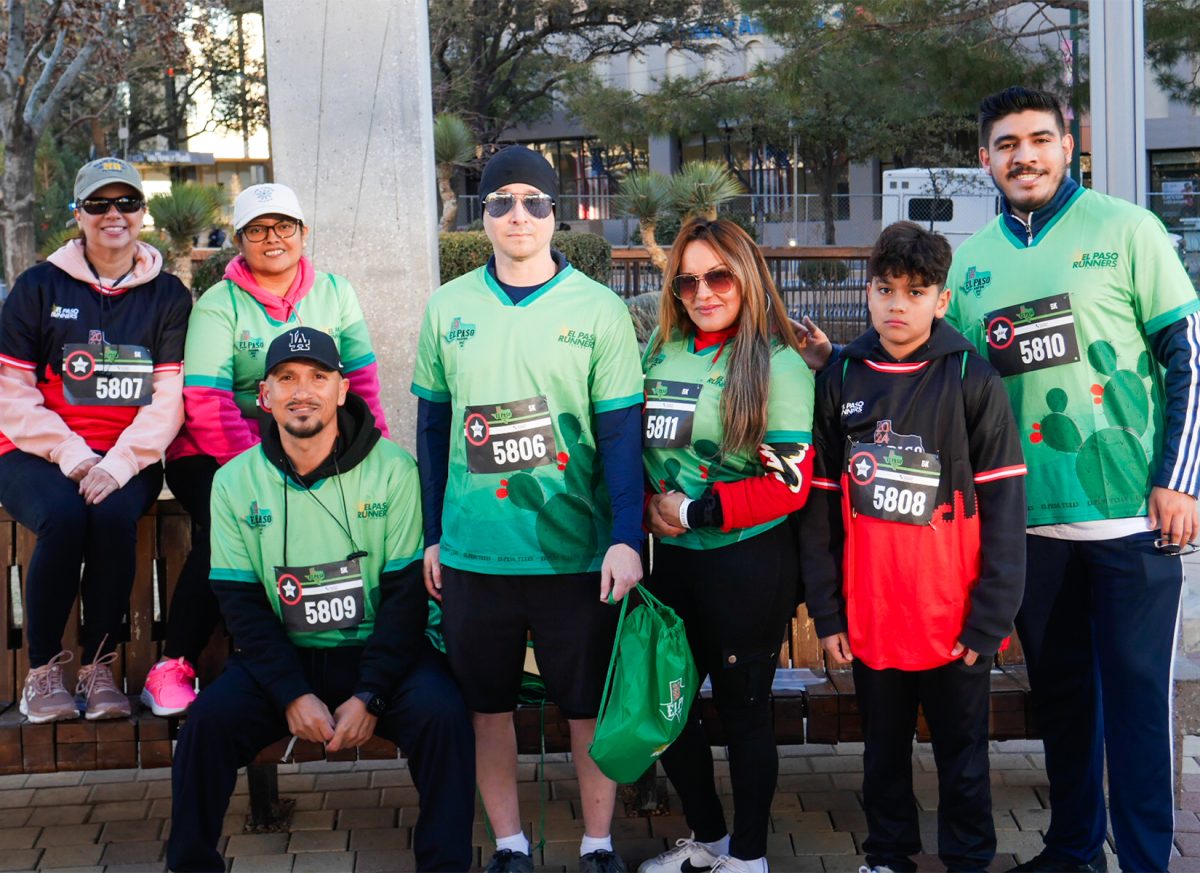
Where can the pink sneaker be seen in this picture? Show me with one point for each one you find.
(170, 687)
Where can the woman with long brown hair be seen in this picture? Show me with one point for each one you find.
(727, 430)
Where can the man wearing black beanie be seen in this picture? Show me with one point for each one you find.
(529, 447)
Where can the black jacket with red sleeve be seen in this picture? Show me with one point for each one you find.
(914, 532)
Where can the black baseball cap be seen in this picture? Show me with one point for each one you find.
(304, 344)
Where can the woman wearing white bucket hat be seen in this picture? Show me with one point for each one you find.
(269, 288)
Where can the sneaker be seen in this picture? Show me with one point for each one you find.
(730, 864)
(44, 698)
(170, 687)
(102, 697)
(1044, 862)
(508, 861)
(876, 870)
(688, 855)
(601, 861)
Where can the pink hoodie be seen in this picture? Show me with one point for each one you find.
(215, 425)
(36, 430)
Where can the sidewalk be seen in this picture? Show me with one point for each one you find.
(352, 817)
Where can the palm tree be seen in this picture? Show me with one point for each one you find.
(453, 146)
(644, 196)
(700, 188)
(182, 215)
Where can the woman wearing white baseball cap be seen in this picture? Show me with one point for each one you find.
(268, 288)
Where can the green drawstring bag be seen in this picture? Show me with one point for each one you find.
(649, 690)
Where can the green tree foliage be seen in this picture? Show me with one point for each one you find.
(453, 147)
(497, 63)
(182, 215)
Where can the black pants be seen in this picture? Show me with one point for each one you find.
(735, 602)
(194, 611)
(102, 537)
(1098, 625)
(233, 719)
(955, 700)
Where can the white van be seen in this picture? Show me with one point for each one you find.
(954, 201)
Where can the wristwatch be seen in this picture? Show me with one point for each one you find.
(376, 705)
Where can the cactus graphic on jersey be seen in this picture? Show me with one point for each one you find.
(734, 467)
(565, 523)
(1111, 460)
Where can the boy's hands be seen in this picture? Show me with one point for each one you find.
(969, 658)
(838, 648)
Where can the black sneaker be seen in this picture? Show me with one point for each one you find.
(1047, 863)
(601, 861)
(508, 861)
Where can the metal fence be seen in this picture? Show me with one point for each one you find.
(828, 283)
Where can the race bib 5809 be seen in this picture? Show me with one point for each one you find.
(321, 597)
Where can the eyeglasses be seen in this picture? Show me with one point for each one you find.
(100, 205)
(500, 203)
(720, 281)
(259, 232)
(1175, 550)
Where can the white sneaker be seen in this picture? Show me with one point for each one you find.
(875, 870)
(730, 864)
(688, 855)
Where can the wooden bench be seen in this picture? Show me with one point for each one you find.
(824, 712)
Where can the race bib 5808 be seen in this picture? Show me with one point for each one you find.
(893, 484)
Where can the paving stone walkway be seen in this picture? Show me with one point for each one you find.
(358, 818)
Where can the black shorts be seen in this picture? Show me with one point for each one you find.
(485, 618)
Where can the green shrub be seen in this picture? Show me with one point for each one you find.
(823, 271)
(461, 252)
(211, 270)
(643, 310)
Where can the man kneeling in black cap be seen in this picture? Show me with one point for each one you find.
(316, 561)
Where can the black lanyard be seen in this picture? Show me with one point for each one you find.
(354, 555)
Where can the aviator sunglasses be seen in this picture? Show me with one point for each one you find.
(719, 280)
(499, 204)
(100, 205)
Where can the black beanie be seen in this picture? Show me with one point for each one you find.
(518, 165)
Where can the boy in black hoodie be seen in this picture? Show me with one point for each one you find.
(915, 542)
(316, 562)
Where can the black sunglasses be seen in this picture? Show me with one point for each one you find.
(720, 280)
(127, 203)
(499, 204)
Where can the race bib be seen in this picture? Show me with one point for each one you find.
(321, 597)
(101, 374)
(893, 484)
(510, 436)
(669, 413)
(1032, 336)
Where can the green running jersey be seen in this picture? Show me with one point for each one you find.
(1065, 322)
(526, 492)
(227, 318)
(321, 599)
(682, 429)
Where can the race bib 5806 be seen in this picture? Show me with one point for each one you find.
(504, 437)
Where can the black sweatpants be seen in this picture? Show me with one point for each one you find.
(194, 611)
(735, 602)
(101, 537)
(955, 700)
(233, 720)
(1098, 625)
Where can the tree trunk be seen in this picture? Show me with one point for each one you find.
(657, 256)
(181, 266)
(16, 207)
(445, 174)
(827, 186)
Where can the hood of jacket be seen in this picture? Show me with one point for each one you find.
(943, 340)
(357, 435)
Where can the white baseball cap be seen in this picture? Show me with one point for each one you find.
(267, 199)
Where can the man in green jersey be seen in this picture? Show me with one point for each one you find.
(1081, 304)
(316, 562)
(529, 444)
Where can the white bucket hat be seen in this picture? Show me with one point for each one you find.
(266, 199)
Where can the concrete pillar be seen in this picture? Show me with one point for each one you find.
(352, 133)
(664, 154)
(1118, 98)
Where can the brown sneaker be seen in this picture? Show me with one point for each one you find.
(44, 698)
(96, 685)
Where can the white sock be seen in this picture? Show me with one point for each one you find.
(515, 843)
(595, 844)
(720, 847)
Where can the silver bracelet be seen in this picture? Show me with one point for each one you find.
(683, 509)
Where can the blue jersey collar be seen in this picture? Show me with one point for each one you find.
(1028, 234)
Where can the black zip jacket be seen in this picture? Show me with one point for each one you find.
(908, 560)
